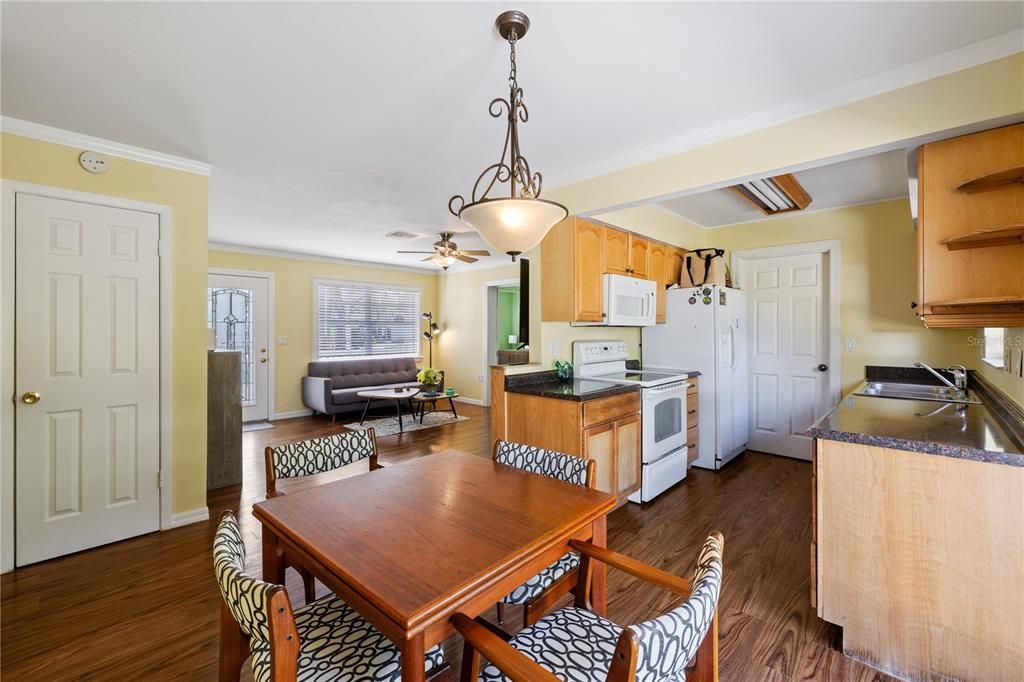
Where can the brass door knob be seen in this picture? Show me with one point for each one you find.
(30, 397)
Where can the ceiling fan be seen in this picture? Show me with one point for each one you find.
(446, 252)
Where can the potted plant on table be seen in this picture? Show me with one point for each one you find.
(430, 379)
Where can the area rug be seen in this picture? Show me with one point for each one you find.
(256, 426)
(388, 426)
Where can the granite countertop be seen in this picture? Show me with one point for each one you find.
(977, 432)
(548, 385)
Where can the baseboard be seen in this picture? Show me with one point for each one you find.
(471, 401)
(193, 516)
(291, 415)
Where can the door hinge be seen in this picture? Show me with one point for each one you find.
(160, 479)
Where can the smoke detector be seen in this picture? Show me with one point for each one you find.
(399, 234)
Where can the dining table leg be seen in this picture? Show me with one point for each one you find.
(273, 558)
(599, 574)
(413, 652)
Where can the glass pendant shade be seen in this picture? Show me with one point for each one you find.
(513, 226)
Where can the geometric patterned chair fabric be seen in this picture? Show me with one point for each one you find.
(578, 645)
(335, 642)
(319, 455)
(557, 465)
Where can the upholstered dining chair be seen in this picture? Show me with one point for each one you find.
(326, 640)
(544, 589)
(317, 456)
(576, 644)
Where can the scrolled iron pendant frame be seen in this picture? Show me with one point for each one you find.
(512, 168)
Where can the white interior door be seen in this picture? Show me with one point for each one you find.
(87, 376)
(788, 313)
(238, 310)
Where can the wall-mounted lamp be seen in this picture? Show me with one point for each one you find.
(429, 333)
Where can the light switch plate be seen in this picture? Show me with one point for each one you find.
(851, 344)
(553, 349)
(282, 340)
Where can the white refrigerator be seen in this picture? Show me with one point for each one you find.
(706, 330)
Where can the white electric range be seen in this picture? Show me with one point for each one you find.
(663, 411)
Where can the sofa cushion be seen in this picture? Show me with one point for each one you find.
(365, 373)
(343, 396)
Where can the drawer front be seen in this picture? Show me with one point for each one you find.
(692, 443)
(607, 409)
(692, 388)
(691, 410)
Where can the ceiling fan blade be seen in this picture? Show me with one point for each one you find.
(464, 258)
(427, 258)
(476, 253)
(414, 251)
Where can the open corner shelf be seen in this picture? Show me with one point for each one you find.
(992, 181)
(1003, 235)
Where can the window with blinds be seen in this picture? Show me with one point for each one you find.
(354, 320)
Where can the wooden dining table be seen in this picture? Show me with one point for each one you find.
(409, 545)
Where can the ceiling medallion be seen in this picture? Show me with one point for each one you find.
(516, 223)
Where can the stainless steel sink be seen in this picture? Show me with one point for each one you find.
(942, 394)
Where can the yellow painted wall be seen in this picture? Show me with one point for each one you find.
(981, 93)
(44, 163)
(293, 308)
(878, 282)
(1010, 385)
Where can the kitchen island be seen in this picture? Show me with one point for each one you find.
(918, 534)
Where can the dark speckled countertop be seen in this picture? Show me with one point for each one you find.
(977, 432)
(547, 385)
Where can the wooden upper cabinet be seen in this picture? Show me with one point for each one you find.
(615, 251)
(639, 252)
(571, 288)
(588, 288)
(674, 259)
(971, 230)
(658, 267)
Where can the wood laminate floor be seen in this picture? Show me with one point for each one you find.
(147, 608)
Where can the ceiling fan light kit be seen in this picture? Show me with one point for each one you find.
(516, 223)
(446, 252)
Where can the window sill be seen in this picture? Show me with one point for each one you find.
(998, 364)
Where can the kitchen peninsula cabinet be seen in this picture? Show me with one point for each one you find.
(971, 230)
(577, 252)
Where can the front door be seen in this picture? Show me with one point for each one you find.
(238, 308)
(87, 376)
(788, 312)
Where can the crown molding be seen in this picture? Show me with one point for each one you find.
(312, 257)
(68, 138)
(998, 47)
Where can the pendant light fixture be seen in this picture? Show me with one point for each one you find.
(518, 222)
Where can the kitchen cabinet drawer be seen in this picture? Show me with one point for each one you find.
(691, 408)
(608, 409)
(692, 443)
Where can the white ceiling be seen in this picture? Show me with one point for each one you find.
(330, 124)
(847, 183)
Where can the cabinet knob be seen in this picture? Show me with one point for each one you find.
(604, 314)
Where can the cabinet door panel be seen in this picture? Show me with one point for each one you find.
(589, 299)
(599, 445)
(638, 256)
(627, 455)
(674, 264)
(657, 267)
(615, 251)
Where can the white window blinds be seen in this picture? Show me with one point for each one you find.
(364, 320)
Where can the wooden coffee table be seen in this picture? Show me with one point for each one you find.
(405, 394)
(422, 399)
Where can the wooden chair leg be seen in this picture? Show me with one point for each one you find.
(470, 664)
(308, 585)
(234, 647)
(501, 613)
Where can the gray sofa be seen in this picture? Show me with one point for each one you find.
(332, 385)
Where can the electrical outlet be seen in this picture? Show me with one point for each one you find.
(851, 344)
(553, 349)
(282, 340)
(480, 378)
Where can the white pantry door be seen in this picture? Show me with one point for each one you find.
(239, 309)
(788, 312)
(87, 376)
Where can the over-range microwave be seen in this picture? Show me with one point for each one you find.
(628, 302)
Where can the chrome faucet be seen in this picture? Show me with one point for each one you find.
(959, 375)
